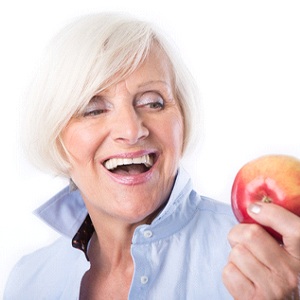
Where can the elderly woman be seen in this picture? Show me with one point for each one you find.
(112, 110)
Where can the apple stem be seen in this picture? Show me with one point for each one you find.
(266, 199)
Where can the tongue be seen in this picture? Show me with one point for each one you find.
(130, 169)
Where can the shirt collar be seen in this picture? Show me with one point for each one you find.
(66, 211)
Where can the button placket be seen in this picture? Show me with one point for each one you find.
(143, 272)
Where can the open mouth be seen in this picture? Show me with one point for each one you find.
(130, 166)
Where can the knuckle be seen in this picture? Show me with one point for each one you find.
(239, 249)
(254, 232)
(236, 252)
(231, 234)
(228, 271)
(245, 233)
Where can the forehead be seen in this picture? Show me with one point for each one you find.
(156, 66)
(155, 70)
(156, 63)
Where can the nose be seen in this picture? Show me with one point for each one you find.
(128, 126)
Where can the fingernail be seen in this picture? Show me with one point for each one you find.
(255, 208)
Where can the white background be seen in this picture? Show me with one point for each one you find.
(245, 56)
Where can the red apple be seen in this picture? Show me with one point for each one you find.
(270, 178)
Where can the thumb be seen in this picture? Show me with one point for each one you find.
(282, 221)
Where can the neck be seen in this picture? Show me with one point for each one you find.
(112, 268)
(110, 245)
(111, 242)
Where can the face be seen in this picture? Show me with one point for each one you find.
(125, 147)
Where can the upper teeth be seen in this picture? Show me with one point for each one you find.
(113, 163)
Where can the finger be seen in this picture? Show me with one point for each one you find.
(282, 221)
(238, 285)
(248, 264)
(259, 257)
(258, 242)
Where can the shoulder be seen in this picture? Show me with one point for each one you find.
(220, 212)
(214, 206)
(213, 215)
(45, 272)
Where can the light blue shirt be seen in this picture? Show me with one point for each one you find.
(180, 255)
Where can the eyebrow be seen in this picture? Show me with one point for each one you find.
(166, 86)
(154, 82)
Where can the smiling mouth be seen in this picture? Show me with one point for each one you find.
(130, 166)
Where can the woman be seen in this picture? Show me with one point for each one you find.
(112, 111)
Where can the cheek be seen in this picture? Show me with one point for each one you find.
(80, 142)
(176, 131)
(171, 132)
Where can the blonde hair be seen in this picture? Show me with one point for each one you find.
(83, 58)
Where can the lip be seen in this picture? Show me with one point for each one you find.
(132, 179)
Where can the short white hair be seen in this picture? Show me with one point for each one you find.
(83, 59)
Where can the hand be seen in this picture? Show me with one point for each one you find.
(259, 268)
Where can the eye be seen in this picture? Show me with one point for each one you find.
(151, 100)
(93, 112)
(96, 106)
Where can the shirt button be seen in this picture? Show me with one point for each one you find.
(148, 233)
(144, 279)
